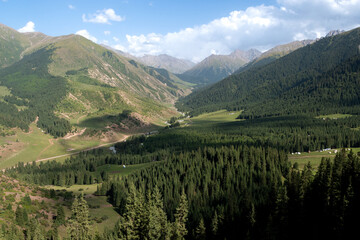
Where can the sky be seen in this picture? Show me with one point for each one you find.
(188, 29)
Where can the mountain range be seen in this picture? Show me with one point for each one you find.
(216, 67)
(92, 80)
(317, 78)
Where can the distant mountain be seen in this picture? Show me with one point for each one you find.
(216, 67)
(274, 53)
(172, 64)
(322, 77)
(57, 78)
(334, 32)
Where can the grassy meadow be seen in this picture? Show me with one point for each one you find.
(314, 157)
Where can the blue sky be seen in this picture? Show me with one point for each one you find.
(191, 29)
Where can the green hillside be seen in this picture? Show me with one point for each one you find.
(303, 81)
(73, 76)
(12, 44)
(273, 54)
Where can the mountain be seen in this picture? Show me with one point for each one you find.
(58, 78)
(216, 67)
(172, 64)
(274, 53)
(167, 62)
(334, 32)
(319, 78)
(12, 44)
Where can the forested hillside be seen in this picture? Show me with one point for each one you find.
(236, 177)
(35, 93)
(59, 79)
(216, 67)
(295, 83)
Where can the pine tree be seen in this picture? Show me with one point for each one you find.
(215, 224)
(19, 216)
(79, 225)
(181, 217)
(60, 217)
(128, 226)
(157, 224)
(200, 232)
(35, 230)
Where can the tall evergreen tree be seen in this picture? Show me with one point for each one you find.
(200, 231)
(181, 217)
(158, 224)
(79, 225)
(60, 217)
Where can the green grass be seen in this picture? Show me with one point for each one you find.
(213, 119)
(218, 116)
(105, 209)
(28, 147)
(334, 116)
(314, 157)
(98, 206)
(77, 189)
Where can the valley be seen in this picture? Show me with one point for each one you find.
(99, 143)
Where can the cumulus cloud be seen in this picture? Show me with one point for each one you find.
(86, 34)
(72, 7)
(107, 32)
(260, 27)
(29, 27)
(119, 47)
(103, 16)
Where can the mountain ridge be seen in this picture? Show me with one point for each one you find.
(256, 89)
(216, 67)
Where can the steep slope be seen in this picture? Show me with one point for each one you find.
(302, 75)
(216, 67)
(12, 44)
(72, 75)
(273, 54)
(172, 64)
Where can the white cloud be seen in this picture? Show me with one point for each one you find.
(103, 16)
(119, 47)
(29, 27)
(86, 34)
(107, 32)
(116, 39)
(259, 27)
(106, 42)
(72, 7)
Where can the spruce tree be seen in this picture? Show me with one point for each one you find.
(181, 217)
(19, 216)
(200, 232)
(215, 224)
(79, 225)
(157, 224)
(60, 217)
(128, 226)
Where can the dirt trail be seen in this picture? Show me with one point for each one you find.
(88, 149)
(71, 135)
(80, 118)
(46, 148)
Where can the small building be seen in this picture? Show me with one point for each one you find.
(112, 149)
